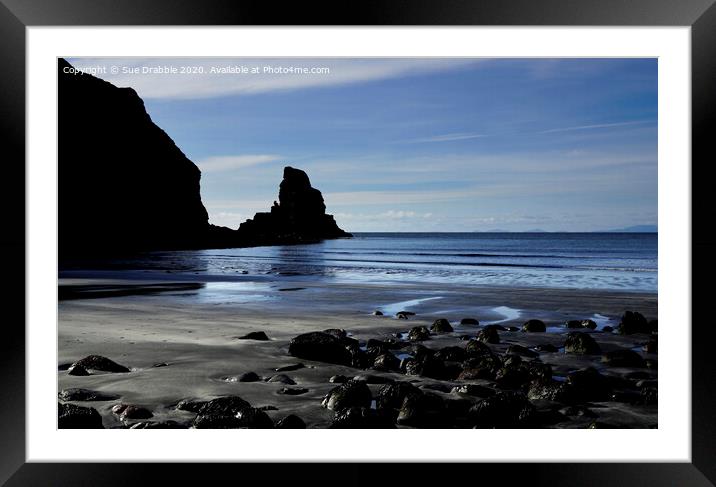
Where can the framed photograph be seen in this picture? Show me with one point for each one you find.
(445, 233)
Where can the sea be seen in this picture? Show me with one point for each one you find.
(609, 261)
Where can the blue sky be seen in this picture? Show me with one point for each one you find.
(419, 144)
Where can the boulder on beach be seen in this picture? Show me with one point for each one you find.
(292, 391)
(255, 335)
(591, 324)
(418, 333)
(469, 321)
(634, 322)
(77, 370)
(503, 410)
(79, 394)
(227, 405)
(320, 346)
(488, 335)
(391, 396)
(98, 362)
(589, 384)
(290, 422)
(522, 351)
(623, 358)
(377, 313)
(350, 394)
(248, 377)
(551, 390)
(451, 354)
(131, 411)
(441, 325)
(534, 326)
(581, 344)
(282, 379)
(246, 418)
(476, 348)
(386, 361)
(426, 410)
(362, 418)
(71, 416)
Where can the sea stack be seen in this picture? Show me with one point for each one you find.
(298, 216)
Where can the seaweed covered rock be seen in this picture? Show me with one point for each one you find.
(634, 322)
(320, 346)
(623, 358)
(581, 344)
(98, 362)
(354, 393)
(418, 334)
(363, 418)
(534, 326)
(71, 416)
(488, 335)
(79, 394)
(423, 411)
(504, 410)
(391, 396)
(441, 325)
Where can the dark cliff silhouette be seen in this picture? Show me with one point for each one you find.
(300, 214)
(124, 185)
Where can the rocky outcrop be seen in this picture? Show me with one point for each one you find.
(298, 216)
(125, 186)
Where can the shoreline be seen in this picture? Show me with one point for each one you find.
(194, 332)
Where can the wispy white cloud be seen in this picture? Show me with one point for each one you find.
(595, 126)
(447, 138)
(229, 163)
(216, 77)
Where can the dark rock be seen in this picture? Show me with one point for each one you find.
(281, 378)
(512, 377)
(538, 370)
(292, 391)
(590, 385)
(401, 316)
(299, 216)
(494, 327)
(76, 394)
(339, 333)
(377, 313)
(509, 360)
(160, 364)
(552, 391)
(373, 379)
(64, 366)
(351, 394)
(607, 329)
(289, 368)
(71, 416)
(581, 324)
(321, 347)
(511, 328)
(131, 411)
(157, 425)
(485, 367)
(190, 405)
(77, 370)
(268, 408)
(476, 348)
(255, 335)
(534, 326)
(338, 379)
(391, 396)
(406, 313)
(423, 411)
(98, 362)
(248, 377)
(473, 390)
(488, 335)
(441, 325)
(290, 422)
(652, 346)
(418, 333)
(226, 406)
(451, 354)
(428, 365)
(386, 361)
(623, 358)
(581, 344)
(503, 410)
(547, 348)
(633, 322)
(248, 418)
(523, 351)
(362, 418)
(469, 321)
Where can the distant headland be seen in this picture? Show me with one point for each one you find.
(125, 186)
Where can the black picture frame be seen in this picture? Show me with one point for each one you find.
(17, 15)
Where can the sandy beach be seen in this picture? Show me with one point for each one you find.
(178, 336)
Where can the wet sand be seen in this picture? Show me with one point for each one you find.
(190, 327)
